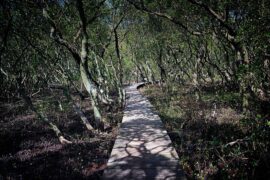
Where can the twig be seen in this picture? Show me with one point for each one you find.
(236, 141)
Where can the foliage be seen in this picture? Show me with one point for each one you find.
(224, 145)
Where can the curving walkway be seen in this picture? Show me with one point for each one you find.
(143, 148)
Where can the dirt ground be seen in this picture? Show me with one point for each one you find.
(30, 150)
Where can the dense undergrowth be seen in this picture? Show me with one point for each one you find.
(30, 150)
(213, 138)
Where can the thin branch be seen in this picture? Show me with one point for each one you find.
(214, 14)
(57, 36)
(165, 16)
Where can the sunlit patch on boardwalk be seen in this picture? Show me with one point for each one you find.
(143, 148)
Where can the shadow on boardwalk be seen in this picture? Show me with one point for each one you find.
(143, 149)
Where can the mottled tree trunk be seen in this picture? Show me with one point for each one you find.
(85, 74)
(89, 86)
(245, 78)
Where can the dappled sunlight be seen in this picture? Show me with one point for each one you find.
(143, 149)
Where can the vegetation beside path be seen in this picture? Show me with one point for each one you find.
(213, 138)
(30, 150)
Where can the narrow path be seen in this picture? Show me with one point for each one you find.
(143, 148)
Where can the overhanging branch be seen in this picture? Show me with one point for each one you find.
(165, 16)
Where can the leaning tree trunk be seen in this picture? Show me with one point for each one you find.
(43, 118)
(80, 59)
(91, 89)
(79, 111)
(69, 97)
(84, 119)
(121, 91)
(85, 74)
(103, 89)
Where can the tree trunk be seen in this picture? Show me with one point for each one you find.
(121, 92)
(43, 118)
(151, 74)
(93, 94)
(82, 116)
(245, 77)
(78, 110)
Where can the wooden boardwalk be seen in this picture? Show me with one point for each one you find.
(143, 148)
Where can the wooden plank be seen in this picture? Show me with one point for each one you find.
(143, 149)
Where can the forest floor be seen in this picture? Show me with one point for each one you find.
(213, 138)
(30, 150)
